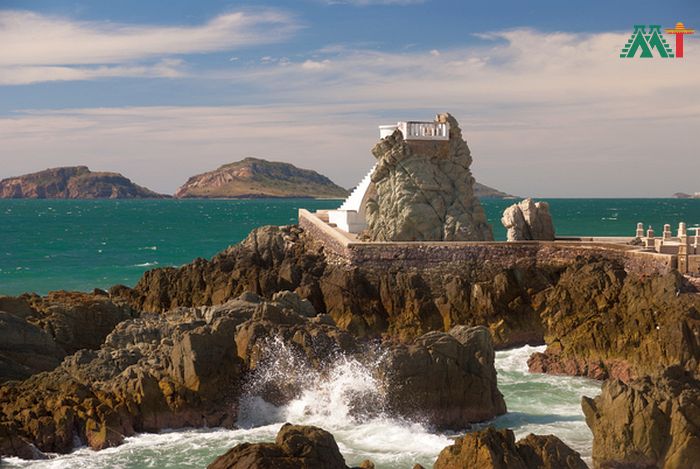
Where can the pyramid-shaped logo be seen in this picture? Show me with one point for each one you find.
(647, 41)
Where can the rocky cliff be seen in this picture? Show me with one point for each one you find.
(652, 422)
(76, 182)
(254, 177)
(598, 319)
(424, 190)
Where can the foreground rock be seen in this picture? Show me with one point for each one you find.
(497, 449)
(528, 220)
(424, 191)
(650, 422)
(448, 380)
(38, 332)
(254, 177)
(602, 322)
(75, 182)
(295, 447)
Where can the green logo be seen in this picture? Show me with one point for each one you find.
(647, 42)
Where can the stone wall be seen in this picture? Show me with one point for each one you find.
(485, 254)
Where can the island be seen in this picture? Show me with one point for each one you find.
(258, 178)
(74, 182)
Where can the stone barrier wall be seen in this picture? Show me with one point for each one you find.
(481, 254)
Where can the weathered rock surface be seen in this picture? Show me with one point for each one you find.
(295, 447)
(446, 379)
(367, 302)
(602, 322)
(37, 332)
(652, 422)
(528, 220)
(75, 182)
(254, 177)
(497, 449)
(153, 372)
(424, 190)
(25, 349)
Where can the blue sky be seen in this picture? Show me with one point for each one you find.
(545, 103)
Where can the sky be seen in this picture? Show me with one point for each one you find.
(161, 90)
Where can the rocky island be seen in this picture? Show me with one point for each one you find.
(74, 182)
(256, 178)
(186, 346)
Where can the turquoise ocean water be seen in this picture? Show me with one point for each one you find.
(82, 244)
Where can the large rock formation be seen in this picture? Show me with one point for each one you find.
(424, 191)
(651, 422)
(448, 380)
(74, 182)
(602, 322)
(254, 177)
(296, 446)
(151, 373)
(528, 220)
(39, 331)
(497, 449)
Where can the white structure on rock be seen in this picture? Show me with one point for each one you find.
(350, 216)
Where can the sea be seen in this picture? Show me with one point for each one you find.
(81, 245)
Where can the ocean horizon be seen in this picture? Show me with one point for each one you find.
(85, 244)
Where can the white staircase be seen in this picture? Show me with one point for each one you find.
(354, 200)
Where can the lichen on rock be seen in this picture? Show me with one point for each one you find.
(423, 190)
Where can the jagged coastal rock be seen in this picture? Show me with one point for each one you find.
(188, 367)
(75, 182)
(528, 220)
(447, 379)
(497, 449)
(39, 332)
(650, 422)
(296, 446)
(255, 177)
(424, 191)
(602, 322)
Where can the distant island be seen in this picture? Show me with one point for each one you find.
(257, 178)
(683, 195)
(486, 192)
(73, 182)
(247, 178)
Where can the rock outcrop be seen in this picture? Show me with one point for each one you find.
(74, 182)
(446, 379)
(651, 422)
(296, 446)
(601, 322)
(424, 191)
(497, 449)
(153, 372)
(39, 331)
(528, 220)
(254, 177)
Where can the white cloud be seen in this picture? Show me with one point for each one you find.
(57, 48)
(544, 114)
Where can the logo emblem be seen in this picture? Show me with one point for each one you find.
(650, 43)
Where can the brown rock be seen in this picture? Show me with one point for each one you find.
(295, 447)
(497, 449)
(650, 422)
(448, 380)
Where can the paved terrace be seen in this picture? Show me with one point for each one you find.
(424, 254)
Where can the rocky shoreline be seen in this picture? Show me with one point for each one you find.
(177, 349)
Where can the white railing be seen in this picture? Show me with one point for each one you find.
(425, 130)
